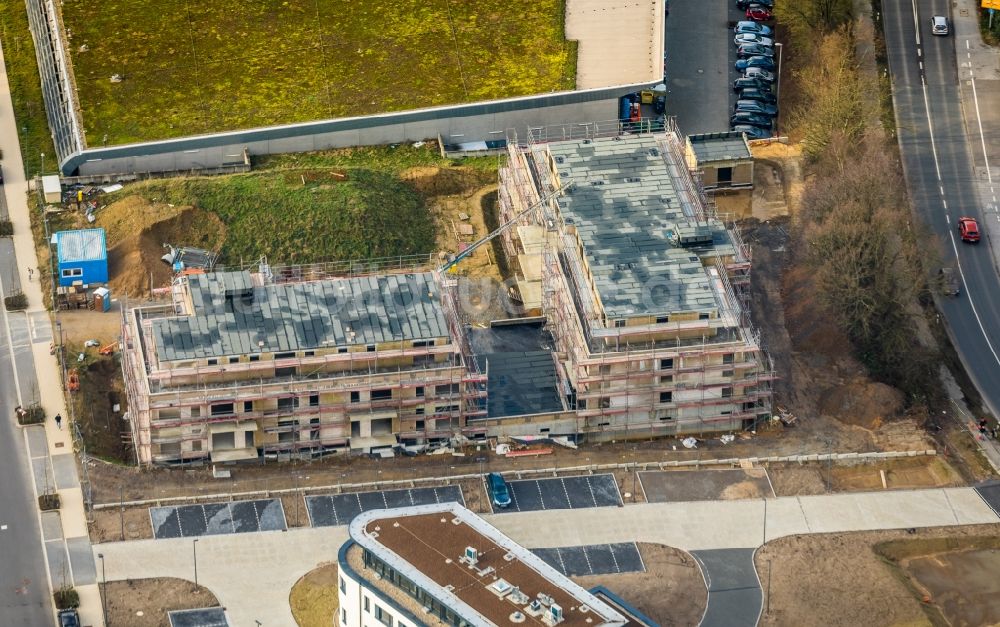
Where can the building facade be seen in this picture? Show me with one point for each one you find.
(242, 365)
(81, 257)
(462, 572)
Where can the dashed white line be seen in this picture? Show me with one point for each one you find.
(972, 303)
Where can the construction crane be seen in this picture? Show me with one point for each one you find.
(503, 227)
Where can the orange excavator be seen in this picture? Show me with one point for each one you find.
(72, 380)
(108, 348)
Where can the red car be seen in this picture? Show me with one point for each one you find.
(758, 13)
(968, 230)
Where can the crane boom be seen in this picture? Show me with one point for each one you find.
(503, 227)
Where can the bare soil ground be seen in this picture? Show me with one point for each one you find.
(900, 474)
(671, 592)
(847, 583)
(145, 602)
(314, 597)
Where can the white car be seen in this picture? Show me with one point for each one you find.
(939, 25)
(756, 72)
(752, 38)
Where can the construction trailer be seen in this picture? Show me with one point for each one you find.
(249, 365)
(644, 288)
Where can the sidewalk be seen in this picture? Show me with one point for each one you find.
(230, 565)
(65, 534)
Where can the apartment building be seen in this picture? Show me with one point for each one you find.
(241, 365)
(643, 286)
(461, 572)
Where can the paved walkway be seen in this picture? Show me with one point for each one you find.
(66, 541)
(252, 574)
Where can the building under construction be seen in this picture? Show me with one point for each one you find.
(245, 364)
(643, 286)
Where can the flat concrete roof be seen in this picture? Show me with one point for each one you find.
(632, 220)
(232, 316)
(728, 146)
(428, 544)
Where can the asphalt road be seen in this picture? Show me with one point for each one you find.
(938, 161)
(24, 587)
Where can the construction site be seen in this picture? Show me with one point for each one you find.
(639, 287)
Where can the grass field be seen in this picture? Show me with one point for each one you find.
(197, 67)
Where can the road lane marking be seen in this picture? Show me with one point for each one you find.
(3, 527)
(979, 119)
(972, 303)
(916, 22)
(10, 347)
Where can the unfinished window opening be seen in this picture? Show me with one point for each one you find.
(727, 358)
(221, 409)
(727, 392)
(703, 316)
(213, 362)
(382, 426)
(444, 390)
(419, 425)
(314, 400)
(285, 372)
(419, 411)
(254, 357)
(234, 360)
(420, 391)
(662, 319)
(666, 397)
(604, 402)
(288, 404)
(286, 355)
(247, 407)
(381, 395)
(619, 324)
(667, 364)
(370, 348)
(355, 397)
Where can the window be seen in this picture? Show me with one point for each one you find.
(605, 402)
(445, 409)
(221, 409)
(727, 374)
(382, 616)
(254, 357)
(667, 364)
(314, 400)
(422, 343)
(196, 446)
(727, 358)
(370, 348)
(288, 404)
(285, 372)
(727, 392)
(343, 616)
(284, 355)
(355, 397)
(196, 412)
(381, 395)
(662, 319)
(72, 272)
(341, 350)
(234, 360)
(420, 391)
(619, 324)
(247, 407)
(703, 316)
(581, 404)
(667, 378)
(213, 362)
(419, 426)
(343, 586)
(442, 390)
(666, 397)
(309, 354)
(367, 607)
(606, 369)
(419, 411)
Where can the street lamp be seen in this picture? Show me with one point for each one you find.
(43, 164)
(194, 548)
(778, 46)
(104, 590)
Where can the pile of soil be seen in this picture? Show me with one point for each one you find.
(136, 232)
(861, 402)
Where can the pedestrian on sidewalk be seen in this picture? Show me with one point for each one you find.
(31, 271)
(59, 421)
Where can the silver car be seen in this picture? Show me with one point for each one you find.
(752, 38)
(939, 25)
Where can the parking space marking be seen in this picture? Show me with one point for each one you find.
(340, 509)
(614, 558)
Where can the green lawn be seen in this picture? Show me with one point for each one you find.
(192, 67)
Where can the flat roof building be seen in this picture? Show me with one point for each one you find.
(443, 565)
(81, 257)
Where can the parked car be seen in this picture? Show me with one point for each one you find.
(752, 38)
(752, 132)
(758, 13)
(751, 83)
(753, 27)
(761, 95)
(499, 492)
(744, 4)
(754, 50)
(968, 229)
(756, 106)
(759, 73)
(751, 119)
(950, 285)
(939, 25)
(764, 63)
(69, 618)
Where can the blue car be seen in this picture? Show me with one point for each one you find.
(764, 63)
(499, 492)
(755, 106)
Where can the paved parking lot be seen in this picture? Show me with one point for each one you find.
(185, 521)
(671, 486)
(563, 493)
(338, 509)
(594, 559)
(990, 492)
(205, 617)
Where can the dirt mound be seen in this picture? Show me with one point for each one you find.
(862, 403)
(141, 229)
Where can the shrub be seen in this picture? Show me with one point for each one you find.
(47, 502)
(66, 598)
(31, 415)
(16, 302)
(6, 228)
